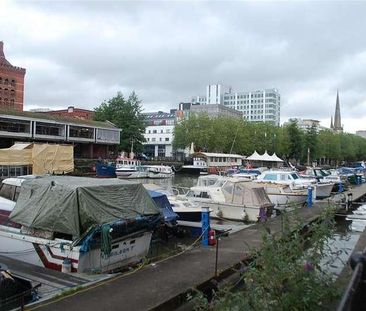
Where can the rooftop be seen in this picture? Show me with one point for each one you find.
(56, 118)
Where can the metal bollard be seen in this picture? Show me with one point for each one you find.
(309, 200)
(205, 225)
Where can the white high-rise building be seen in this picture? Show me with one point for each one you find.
(256, 106)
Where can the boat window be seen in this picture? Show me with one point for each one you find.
(295, 176)
(204, 195)
(7, 191)
(270, 177)
(16, 195)
(283, 177)
(228, 188)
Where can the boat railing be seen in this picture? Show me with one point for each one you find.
(353, 297)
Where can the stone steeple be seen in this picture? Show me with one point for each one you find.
(337, 117)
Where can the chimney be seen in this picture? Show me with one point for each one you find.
(2, 49)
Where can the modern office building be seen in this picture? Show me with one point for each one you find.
(11, 84)
(306, 124)
(159, 133)
(216, 110)
(256, 106)
(361, 133)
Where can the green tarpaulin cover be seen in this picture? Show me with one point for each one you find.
(72, 204)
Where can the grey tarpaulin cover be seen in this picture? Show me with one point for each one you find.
(72, 204)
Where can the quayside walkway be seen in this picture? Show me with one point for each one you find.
(156, 284)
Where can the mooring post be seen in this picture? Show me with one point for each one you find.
(310, 196)
(205, 225)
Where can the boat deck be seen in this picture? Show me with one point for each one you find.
(165, 284)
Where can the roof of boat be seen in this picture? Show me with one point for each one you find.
(17, 181)
(71, 205)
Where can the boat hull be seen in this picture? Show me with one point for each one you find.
(131, 174)
(324, 190)
(52, 253)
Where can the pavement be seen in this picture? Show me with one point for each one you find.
(151, 287)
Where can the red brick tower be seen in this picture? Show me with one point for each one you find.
(11, 84)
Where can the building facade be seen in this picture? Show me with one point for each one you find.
(306, 124)
(11, 84)
(159, 134)
(256, 106)
(216, 110)
(91, 139)
(361, 133)
(72, 112)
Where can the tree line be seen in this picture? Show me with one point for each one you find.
(231, 135)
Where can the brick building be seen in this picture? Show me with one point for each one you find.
(73, 112)
(11, 84)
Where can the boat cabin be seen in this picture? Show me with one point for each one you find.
(218, 162)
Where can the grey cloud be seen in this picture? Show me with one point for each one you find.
(169, 51)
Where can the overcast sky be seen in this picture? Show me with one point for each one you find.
(82, 53)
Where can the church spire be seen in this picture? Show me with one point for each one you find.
(337, 116)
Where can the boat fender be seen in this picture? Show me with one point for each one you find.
(66, 265)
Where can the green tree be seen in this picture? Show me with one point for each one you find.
(295, 141)
(311, 143)
(125, 114)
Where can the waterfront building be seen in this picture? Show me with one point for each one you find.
(11, 84)
(91, 139)
(337, 125)
(159, 133)
(305, 124)
(256, 106)
(361, 133)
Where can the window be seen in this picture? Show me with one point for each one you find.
(270, 177)
(166, 138)
(161, 131)
(160, 139)
(153, 139)
(154, 131)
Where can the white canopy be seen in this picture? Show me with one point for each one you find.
(264, 157)
(255, 157)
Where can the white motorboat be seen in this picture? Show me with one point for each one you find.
(232, 198)
(186, 210)
(93, 225)
(283, 196)
(159, 171)
(127, 168)
(293, 179)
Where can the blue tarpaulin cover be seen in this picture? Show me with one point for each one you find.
(162, 201)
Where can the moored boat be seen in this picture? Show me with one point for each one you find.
(96, 225)
(159, 171)
(231, 198)
(127, 168)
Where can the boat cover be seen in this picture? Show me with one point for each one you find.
(72, 204)
(245, 193)
(162, 201)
